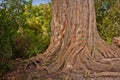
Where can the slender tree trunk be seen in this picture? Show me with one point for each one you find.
(76, 46)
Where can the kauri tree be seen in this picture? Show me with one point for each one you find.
(75, 46)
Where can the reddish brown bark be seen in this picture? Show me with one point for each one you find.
(116, 41)
(76, 46)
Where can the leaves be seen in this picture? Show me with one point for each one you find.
(108, 18)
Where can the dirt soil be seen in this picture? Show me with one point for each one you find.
(20, 73)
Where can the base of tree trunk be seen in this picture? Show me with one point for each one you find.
(43, 70)
(75, 46)
(32, 72)
(75, 76)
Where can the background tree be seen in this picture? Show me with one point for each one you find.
(10, 18)
(107, 12)
(37, 31)
(24, 31)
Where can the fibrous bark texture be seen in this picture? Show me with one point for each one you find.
(116, 41)
(76, 46)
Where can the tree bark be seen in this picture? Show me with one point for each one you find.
(76, 46)
(116, 41)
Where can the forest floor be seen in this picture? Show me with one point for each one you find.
(20, 73)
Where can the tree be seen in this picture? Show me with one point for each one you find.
(76, 47)
(11, 18)
(107, 16)
(36, 32)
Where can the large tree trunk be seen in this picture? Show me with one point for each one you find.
(76, 46)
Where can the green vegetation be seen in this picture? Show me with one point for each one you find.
(25, 29)
(108, 18)
(10, 19)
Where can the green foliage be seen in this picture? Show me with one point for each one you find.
(25, 29)
(37, 31)
(10, 17)
(108, 18)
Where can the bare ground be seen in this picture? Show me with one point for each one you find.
(20, 73)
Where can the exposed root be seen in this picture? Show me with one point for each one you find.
(35, 61)
(105, 74)
(87, 73)
(111, 59)
(31, 62)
